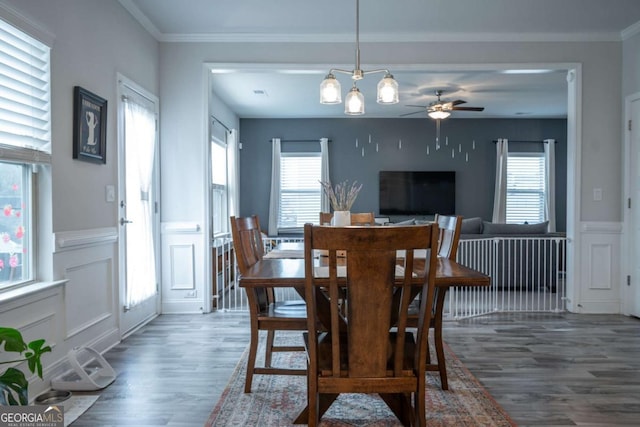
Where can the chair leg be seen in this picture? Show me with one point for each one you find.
(312, 400)
(442, 366)
(419, 406)
(269, 348)
(251, 360)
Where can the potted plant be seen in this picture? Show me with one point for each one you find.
(14, 387)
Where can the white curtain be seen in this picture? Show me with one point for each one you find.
(233, 172)
(274, 200)
(324, 173)
(500, 194)
(550, 183)
(140, 140)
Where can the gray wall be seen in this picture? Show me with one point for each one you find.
(93, 41)
(474, 179)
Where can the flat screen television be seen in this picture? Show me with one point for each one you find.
(417, 193)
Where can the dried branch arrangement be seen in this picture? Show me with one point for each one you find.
(343, 195)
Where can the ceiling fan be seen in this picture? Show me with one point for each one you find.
(442, 109)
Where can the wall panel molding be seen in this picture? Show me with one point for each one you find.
(68, 240)
(182, 266)
(599, 282)
(184, 251)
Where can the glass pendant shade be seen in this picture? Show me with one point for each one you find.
(354, 102)
(388, 90)
(330, 90)
(439, 114)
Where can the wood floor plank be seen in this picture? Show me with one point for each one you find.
(544, 369)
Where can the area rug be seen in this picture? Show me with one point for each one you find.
(276, 400)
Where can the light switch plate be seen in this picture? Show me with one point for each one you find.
(110, 193)
(597, 194)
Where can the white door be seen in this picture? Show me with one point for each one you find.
(138, 206)
(634, 210)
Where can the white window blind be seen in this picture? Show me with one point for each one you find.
(300, 190)
(525, 188)
(25, 101)
(25, 135)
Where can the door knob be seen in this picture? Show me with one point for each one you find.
(124, 221)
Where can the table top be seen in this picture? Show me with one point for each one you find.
(289, 272)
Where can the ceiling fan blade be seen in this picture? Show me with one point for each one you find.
(409, 114)
(468, 108)
(458, 102)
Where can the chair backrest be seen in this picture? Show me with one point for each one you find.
(357, 218)
(378, 294)
(449, 229)
(247, 241)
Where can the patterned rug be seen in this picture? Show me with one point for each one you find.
(276, 400)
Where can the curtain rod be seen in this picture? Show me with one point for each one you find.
(509, 140)
(215, 119)
(301, 140)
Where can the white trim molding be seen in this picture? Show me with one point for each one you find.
(69, 240)
(180, 227)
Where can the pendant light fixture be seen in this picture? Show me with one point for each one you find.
(354, 101)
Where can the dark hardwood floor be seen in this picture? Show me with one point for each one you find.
(544, 369)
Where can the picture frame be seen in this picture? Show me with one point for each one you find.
(89, 126)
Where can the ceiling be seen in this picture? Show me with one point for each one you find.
(269, 91)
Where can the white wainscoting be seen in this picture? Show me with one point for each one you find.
(77, 309)
(598, 289)
(87, 259)
(184, 253)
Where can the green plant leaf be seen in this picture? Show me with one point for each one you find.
(33, 356)
(12, 384)
(12, 340)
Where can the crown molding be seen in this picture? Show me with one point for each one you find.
(630, 31)
(27, 24)
(391, 38)
(142, 19)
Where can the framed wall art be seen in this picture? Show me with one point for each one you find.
(89, 126)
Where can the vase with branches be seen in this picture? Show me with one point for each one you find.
(342, 195)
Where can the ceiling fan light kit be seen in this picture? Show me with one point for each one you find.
(354, 102)
(439, 114)
(440, 109)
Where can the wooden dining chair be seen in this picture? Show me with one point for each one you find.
(448, 238)
(265, 313)
(357, 218)
(367, 348)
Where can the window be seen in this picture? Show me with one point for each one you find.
(525, 188)
(219, 188)
(24, 148)
(300, 190)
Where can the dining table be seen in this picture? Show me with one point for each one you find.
(284, 267)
